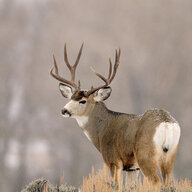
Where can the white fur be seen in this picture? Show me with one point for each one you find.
(81, 120)
(71, 105)
(66, 115)
(103, 94)
(167, 135)
(87, 135)
(66, 91)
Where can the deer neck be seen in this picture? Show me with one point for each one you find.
(93, 124)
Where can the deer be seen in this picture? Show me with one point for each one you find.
(127, 142)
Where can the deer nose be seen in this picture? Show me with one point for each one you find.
(65, 112)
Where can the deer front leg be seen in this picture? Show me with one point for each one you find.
(116, 173)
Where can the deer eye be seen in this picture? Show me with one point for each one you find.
(82, 102)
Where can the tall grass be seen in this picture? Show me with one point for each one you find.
(101, 181)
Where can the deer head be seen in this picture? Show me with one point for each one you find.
(82, 101)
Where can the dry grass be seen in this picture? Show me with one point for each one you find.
(101, 182)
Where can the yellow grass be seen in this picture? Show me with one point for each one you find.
(101, 182)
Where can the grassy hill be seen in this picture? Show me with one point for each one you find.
(101, 182)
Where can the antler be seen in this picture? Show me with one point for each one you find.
(72, 69)
(110, 76)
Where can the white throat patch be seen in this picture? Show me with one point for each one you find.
(87, 135)
(81, 120)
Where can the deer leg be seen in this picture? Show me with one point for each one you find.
(131, 178)
(112, 170)
(165, 172)
(166, 166)
(119, 179)
(116, 173)
(149, 168)
(147, 163)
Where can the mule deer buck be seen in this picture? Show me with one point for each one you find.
(126, 141)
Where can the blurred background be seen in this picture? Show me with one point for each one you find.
(155, 72)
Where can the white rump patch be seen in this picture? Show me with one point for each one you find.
(167, 136)
(81, 120)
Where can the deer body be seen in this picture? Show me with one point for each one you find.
(126, 141)
(102, 124)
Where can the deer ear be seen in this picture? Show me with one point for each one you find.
(66, 91)
(102, 94)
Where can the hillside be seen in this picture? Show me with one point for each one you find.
(101, 182)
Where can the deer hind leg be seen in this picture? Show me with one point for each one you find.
(166, 166)
(147, 162)
(149, 169)
(165, 171)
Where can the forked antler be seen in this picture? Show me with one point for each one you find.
(72, 69)
(110, 75)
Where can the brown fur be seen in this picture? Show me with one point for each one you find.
(122, 139)
(166, 167)
(144, 148)
(127, 138)
(78, 95)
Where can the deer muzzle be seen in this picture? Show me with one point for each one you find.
(65, 113)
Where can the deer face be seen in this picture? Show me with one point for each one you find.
(75, 108)
(80, 104)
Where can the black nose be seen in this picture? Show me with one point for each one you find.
(64, 112)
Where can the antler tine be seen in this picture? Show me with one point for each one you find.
(110, 77)
(58, 77)
(72, 69)
(66, 58)
(68, 65)
(117, 57)
(110, 68)
(55, 65)
(99, 75)
(79, 85)
(78, 57)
